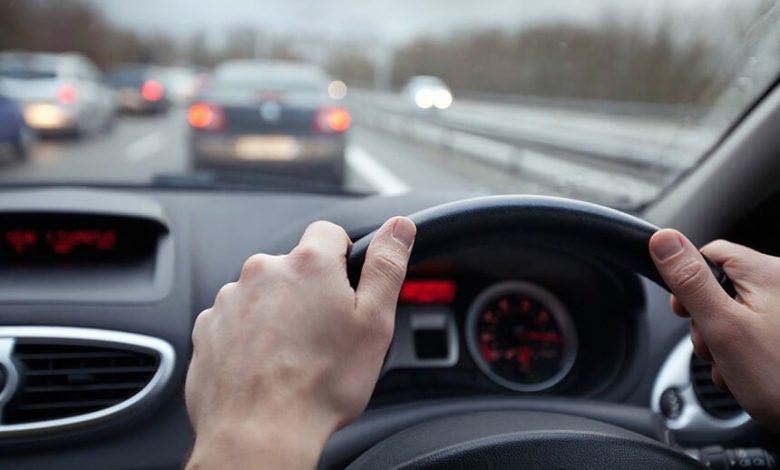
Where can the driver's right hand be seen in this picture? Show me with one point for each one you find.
(741, 337)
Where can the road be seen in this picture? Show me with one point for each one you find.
(139, 147)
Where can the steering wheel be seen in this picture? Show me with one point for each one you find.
(527, 439)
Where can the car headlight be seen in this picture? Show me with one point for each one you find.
(442, 99)
(424, 98)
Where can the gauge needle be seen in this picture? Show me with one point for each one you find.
(541, 336)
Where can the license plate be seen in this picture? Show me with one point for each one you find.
(272, 147)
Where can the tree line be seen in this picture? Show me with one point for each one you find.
(606, 61)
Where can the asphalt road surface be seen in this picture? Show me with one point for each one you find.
(139, 147)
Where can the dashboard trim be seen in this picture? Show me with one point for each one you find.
(11, 374)
(162, 349)
(410, 318)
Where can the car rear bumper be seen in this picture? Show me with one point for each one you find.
(311, 157)
(131, 101)
(267, 150)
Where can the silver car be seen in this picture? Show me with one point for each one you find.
(61, 94)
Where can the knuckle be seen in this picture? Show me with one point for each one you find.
(690, 278)
(305, 258)
(201, 322)
(225, 292)
(254, 266)
(327, 226)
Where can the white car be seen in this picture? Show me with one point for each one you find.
(61, 94)
(427, 92)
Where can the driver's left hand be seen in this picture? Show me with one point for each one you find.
(290, 353)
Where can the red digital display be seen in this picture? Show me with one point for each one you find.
(60, 242)
(427, 291)
(43, 239)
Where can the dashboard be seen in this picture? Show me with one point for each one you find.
(99, 290)
(507, 320)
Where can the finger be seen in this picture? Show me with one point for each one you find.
(725, 252)
(677, 307)
(717, 379)
(690, 279)
(699, 346)
(386, 261)
(740, 262)
(325, 238)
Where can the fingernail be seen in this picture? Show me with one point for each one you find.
(404, 231)
(666, 244)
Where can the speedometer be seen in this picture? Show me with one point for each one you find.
(521, 336)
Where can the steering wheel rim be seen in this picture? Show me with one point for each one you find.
(519, 439)
(568, 225)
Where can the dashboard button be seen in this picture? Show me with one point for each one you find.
(671, 403)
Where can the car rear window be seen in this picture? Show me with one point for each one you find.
(127, 77)
(26, 73)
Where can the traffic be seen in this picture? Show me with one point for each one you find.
(260, 121)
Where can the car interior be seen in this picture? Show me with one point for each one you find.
(120, 321)
(101, 283)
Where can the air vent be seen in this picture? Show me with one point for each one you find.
(717, 403)
(60, 377)
(63, 380)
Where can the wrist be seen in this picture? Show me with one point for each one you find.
(272, 446)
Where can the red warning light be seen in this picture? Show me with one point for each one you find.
(427, 291)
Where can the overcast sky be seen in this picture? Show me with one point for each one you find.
(389, 20)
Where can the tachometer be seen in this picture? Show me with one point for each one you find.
(521, 336)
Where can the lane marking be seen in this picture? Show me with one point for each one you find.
(144, 147)
(377, 175)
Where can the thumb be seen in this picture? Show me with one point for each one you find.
(385, 267)
(689, 277)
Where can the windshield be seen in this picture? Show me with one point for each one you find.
(270, 76)
(603, 100)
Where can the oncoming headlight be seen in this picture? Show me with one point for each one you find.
(442, 99)
(424, 98)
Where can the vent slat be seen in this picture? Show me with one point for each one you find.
(718, 403)
(81, 388)
(64, 380)
(74, 355)
(67, 405)
(91, 370)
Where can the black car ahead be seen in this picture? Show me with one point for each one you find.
(270, 117)
(138, 89)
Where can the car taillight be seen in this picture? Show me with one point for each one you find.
(332, 120)
(206, 116)
(67, 94)
(152, 90)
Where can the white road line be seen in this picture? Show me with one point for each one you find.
(144, 147)
(376, 174)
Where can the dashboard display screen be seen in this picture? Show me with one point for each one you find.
(54, 238)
